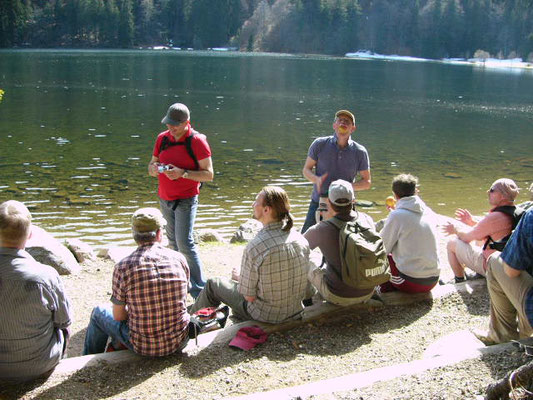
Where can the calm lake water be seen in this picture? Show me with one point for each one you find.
(77, 130)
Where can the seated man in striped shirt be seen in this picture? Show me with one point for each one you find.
(148, 313)
(35, 312)
(273, 276)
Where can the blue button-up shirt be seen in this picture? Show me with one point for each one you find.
(339, 163)
(518, 254)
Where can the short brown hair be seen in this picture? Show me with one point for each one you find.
(404, 185)
(15, 222)
(276, 198)
(341, 209)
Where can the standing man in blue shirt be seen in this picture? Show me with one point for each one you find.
(510, 284)
(335, 157)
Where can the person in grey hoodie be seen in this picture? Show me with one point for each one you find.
(410, 238)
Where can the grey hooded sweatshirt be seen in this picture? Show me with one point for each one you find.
(410, 235)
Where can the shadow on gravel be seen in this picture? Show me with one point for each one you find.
(477, 302)
(339, 334)
(93, 383)
(75, 345)
(16, 390)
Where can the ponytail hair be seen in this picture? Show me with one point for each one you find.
(277, 199)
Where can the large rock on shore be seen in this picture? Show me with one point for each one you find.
(209, 235)
(81, 250)
(247, 231)
(48, 250)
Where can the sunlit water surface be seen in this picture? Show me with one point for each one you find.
(77, 130)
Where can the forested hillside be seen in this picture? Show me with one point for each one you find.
(426, 28)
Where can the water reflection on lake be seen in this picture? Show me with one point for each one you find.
(77, 130)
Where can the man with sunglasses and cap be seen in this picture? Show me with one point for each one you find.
(463, 252)
(335, 157)
(181, 160)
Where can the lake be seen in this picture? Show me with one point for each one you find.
(77, 129)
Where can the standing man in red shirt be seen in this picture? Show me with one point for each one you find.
(181, 160)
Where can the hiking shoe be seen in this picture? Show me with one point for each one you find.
(484, 337)
(385, 288)
(456, 279)
(475, 276)
(222, 316)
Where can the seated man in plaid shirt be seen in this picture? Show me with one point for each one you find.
(273, 277)
(148, 313)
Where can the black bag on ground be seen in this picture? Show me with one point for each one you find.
(207, 319)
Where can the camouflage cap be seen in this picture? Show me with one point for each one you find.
(147, 219)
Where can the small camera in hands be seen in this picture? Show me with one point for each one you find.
(163, 167)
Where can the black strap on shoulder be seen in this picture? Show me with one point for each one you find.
(507, 210)
(515, 213)
(166, 143)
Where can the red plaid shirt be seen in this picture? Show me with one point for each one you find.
(152, 282)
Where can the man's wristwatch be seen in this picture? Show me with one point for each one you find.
(185, 173)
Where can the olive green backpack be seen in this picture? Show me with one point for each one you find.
(364, 262)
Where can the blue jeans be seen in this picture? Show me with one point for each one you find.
(180, 224)
(310, 219)
(102, 326)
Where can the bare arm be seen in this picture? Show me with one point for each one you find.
(308, 173)
(465, 217)
(465, 235)
(119, 312)
(365, 181)
(204, 174)
(152, 166)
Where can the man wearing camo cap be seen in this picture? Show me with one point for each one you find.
(148, 313)
(463, 252)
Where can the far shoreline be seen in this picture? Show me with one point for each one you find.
(489, 63)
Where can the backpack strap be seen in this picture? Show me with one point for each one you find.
(340, 224)
(166, 143)
(515, 213)
(188, 147)
(337, 223)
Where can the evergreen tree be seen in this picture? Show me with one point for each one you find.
(125, 27)
(14, 15)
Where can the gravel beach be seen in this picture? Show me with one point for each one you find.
(312, 352)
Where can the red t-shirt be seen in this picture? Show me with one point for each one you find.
(181, 188)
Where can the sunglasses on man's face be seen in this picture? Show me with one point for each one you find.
(345, 121)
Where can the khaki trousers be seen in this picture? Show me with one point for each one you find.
(507, 297)
(221, 290)
(316, 276)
